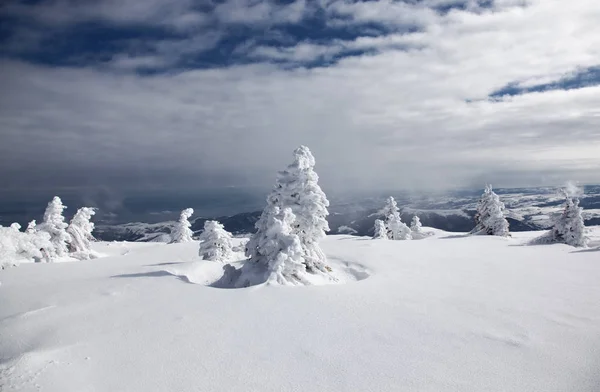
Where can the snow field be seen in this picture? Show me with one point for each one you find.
(446, 313)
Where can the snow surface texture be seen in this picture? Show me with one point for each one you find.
(447, 313)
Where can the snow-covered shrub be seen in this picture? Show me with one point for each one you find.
(215, 242)
(380, 232)
(80, 229)
(417, 229)
(396, 229)
(54, 224)
(181, 231)
(296, 188)
(415, 225)
(569, 227)
(489, 219)
(19, 247)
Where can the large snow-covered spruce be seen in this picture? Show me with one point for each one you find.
(181, 230)
(55, 225)
(569, 227)
(296, 188)
(396, 229)
(489, 219)
(80, 229)
(215, 242)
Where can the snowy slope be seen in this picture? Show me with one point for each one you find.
(447, 313)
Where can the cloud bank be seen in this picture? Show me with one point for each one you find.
(388, 94)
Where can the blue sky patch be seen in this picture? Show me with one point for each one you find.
(585, 77)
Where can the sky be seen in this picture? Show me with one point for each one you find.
(186, 95)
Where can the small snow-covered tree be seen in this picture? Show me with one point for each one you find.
(415, 225)
(181, 231)
(80, 229)
(15, 226)
(570, 226)
(54, 224)
(215, 242)
(489, 219)
(296, 188)
(396, 229)
(17, 247)
(31, 227)
(380, 232)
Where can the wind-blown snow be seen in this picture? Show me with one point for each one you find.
(447, 313)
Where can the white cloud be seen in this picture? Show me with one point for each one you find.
(395, 119)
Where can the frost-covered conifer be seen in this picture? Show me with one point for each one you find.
(181, 231)
(570, 226)
(215, 242)
(416, 226)
(17, 247)
(80, 229)
(396, 229)
(489, 219)
(296, 188)
(380, 232)
(31, 227)
(15, 226)
(54, 224)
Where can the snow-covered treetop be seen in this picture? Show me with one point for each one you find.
(181, 231)
(31, 227)
(390, 208)
(53, 215)
(303, 158)
(82, 218)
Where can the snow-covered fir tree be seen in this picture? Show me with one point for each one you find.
(416, 226)
(31, 227)
(215, 242)
(380, 232)
(182, 231)
(396, 229)
(80, 229)
(569, 227)
(54, 224)
(489, 219)
(296, 188)
(15, 226)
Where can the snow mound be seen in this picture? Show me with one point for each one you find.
(227, 276)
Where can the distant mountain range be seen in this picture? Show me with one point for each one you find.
(527, 209)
